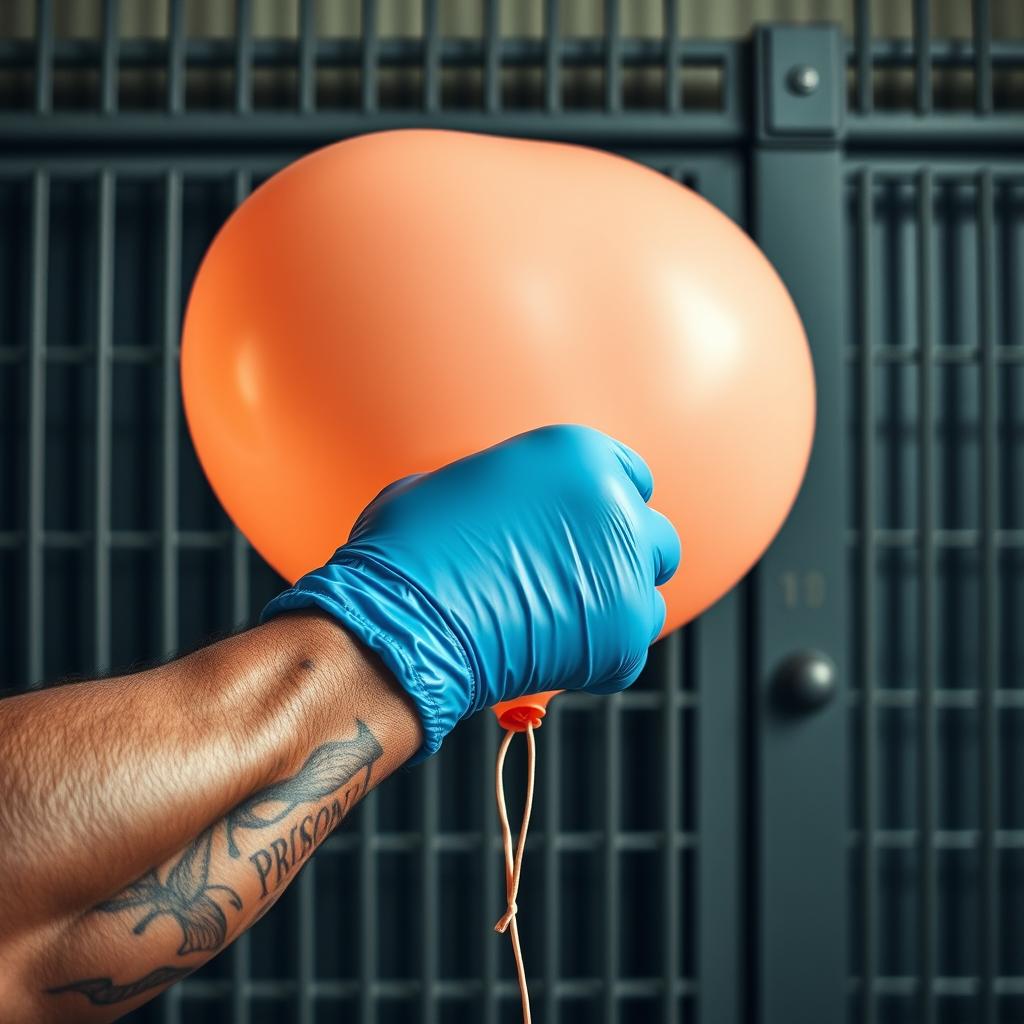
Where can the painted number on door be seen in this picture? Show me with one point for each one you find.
(803, 589)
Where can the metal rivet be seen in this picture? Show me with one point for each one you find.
(803, 79)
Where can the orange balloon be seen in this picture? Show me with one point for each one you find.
(393, 302)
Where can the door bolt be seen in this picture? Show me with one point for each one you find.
(803, 79)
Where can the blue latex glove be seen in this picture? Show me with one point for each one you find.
(529, 566)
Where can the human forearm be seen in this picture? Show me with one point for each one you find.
(151, 818)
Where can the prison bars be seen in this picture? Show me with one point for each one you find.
(989, 539)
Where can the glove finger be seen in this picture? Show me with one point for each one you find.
(636, 469)
(664, 541)
(658, 613)
(398, 485)
(392, 489)
(621, 680)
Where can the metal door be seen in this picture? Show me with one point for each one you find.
(708, 846)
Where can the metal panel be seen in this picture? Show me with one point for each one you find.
(799, 762)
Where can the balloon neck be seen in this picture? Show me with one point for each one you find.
(517, 715)
(518, 718)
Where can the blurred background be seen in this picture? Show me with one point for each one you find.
(806, 809)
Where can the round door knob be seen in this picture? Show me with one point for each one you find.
(805, 681)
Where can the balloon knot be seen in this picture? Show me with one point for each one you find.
(506, 919)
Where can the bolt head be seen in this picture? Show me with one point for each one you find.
(804, 79)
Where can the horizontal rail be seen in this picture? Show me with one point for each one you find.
(394, 52)
(261, 129)
(515, 52)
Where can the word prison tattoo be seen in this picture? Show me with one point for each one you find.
(184, 895)
(329, 768)
(103, 991)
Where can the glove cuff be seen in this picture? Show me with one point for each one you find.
(392, 617)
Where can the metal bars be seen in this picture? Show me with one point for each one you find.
(552, 58)
(492, 57)
(243, 56)
(176, 58)
(968, 200)
(307, 57)
(44, 56)
(611, 888)
(35, 511)
(104, 415)
(982, 57)
(926, 624)
(370, 58)
(989, 679)
(865, 82)
(868, 753)
(922, 56)
(613, 58)
(109, 61)
(671, 798)
(431, 58)
(241, 949)
(169, 413)
(430, 797)
(673, 61)
(550, 760)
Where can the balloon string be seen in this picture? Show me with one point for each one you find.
(514, 864)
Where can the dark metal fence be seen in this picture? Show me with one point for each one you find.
(697, 855)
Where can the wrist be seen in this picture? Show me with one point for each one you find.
(400, 624)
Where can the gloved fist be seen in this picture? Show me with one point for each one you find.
(529, 566)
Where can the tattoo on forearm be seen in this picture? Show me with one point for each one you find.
(103, 991)
(329, 768)
(184, 895)
(340, 769)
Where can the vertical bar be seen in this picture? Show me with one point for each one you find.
(612, 795)
(44, 56)
(429, 883)
(243, 56)
(989, 775)
(552, 58)
(868, 724)
(674, 912)
(35, 491)
(551, 760)
(612, 58)
(109, 67)
(368, 911)
(865, 64)
(926, 623)
(673, 61)
(104, 414)
(169, 413)
(923, 56)
(370, 95)
(492, 56)
(176, 57)
(305, 944)
(169, 459)
(240, 611)
(982, 57)
(488, 877)
(798, 777)
(431, 58)
(718, 929)
(307, 56)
